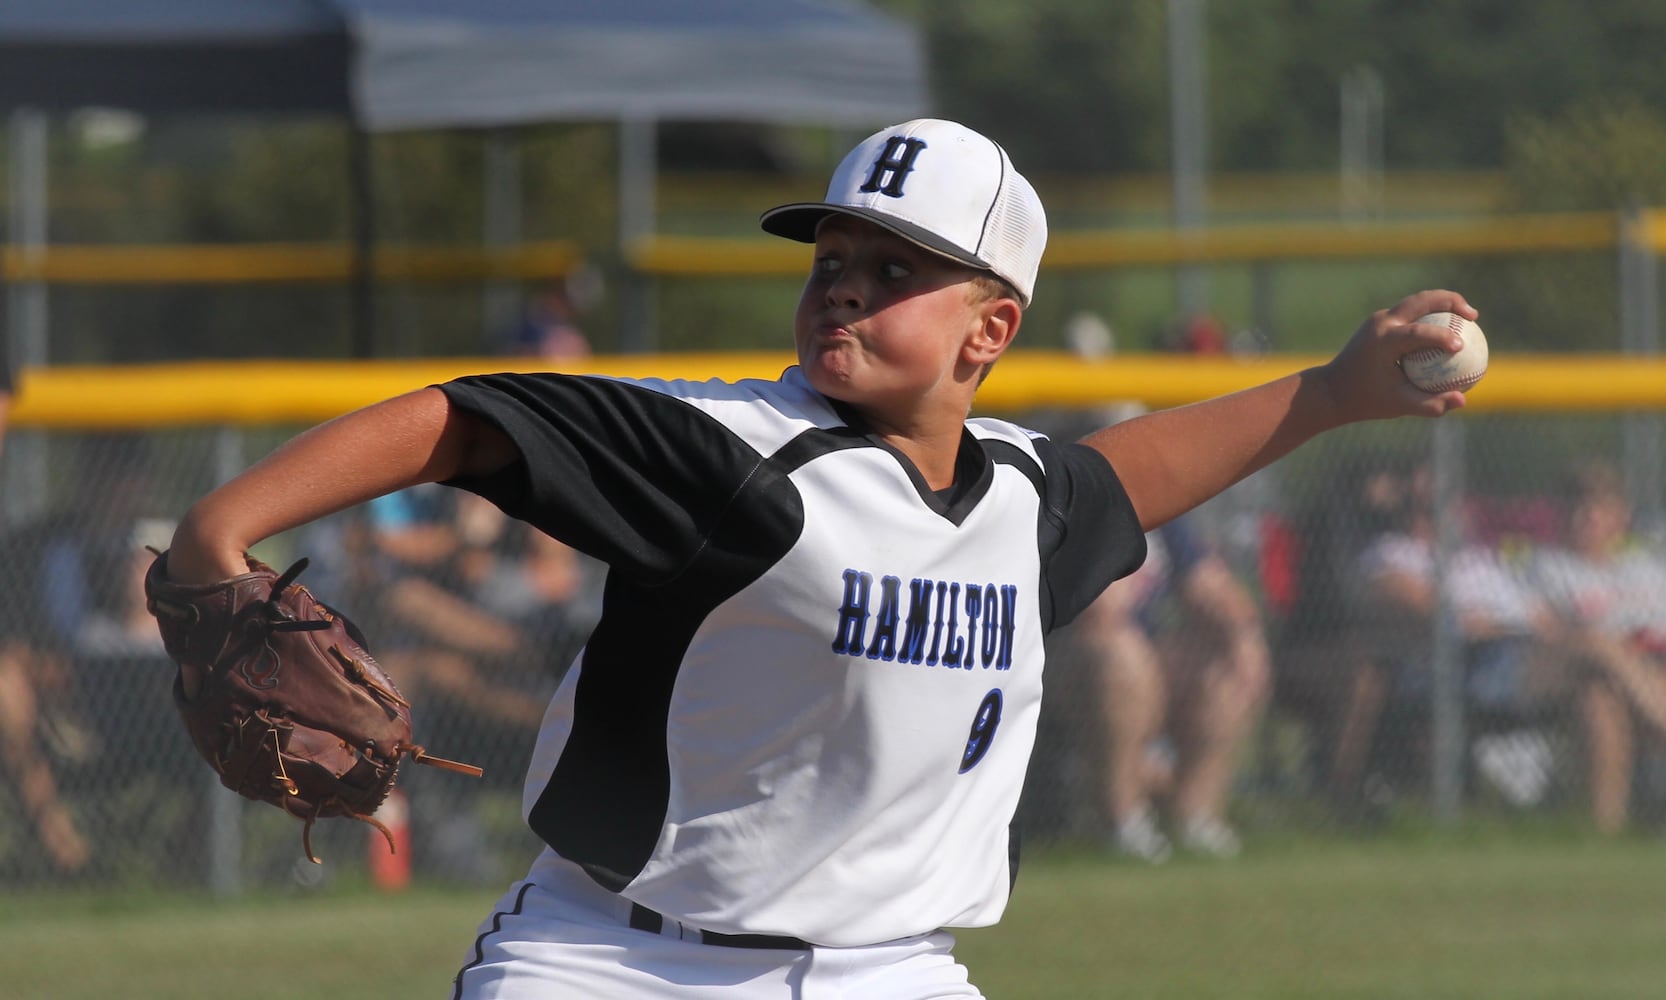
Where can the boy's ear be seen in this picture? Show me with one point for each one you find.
(1000, 319)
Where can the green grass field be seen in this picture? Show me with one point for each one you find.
(1427, 917)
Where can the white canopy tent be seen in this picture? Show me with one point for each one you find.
(386, 65)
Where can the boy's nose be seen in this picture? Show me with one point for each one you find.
(844, 291)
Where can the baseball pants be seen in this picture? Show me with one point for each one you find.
(563, 936)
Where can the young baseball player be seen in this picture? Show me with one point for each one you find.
(790, 755)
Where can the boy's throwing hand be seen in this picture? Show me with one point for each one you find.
(1364, 378)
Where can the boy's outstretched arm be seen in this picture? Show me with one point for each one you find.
(1172, 460)
(400, 442)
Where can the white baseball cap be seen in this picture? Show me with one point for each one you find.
(940, 185)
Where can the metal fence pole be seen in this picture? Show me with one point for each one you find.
(26, 301)
(1447, 741)
(502, 305)
(1362, 143)
(1189, 137)
(1641, 433)
(224, 858)
(1263, 305)
(638, 165)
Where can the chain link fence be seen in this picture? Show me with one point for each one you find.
(1401, 644)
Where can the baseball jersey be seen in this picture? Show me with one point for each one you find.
(809, 702)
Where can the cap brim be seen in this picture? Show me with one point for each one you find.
(798, 221)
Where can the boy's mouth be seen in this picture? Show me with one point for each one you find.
(834, 331)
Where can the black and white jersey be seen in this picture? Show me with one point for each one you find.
(811, 697)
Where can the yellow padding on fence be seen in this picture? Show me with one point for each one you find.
(254, 393)
(692, 256)
(275, 392)
(1561, 383)
(713, 257)
(283, 262)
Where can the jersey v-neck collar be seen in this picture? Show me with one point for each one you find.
(973, 471)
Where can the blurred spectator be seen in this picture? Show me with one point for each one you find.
(1511, 675)
(66, 570)
(1089, 336)
(550, 328)
(526, 578)
(1197, 333)
(1179, 659)
(475, 616)
(33, 735)
(1182, 663)
(1607, 593)
(122, 625)
(415, 603)
(1323, 674)
(1579, 623)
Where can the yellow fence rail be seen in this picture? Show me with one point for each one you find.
(281, 262)
(695, 256)
(688, 256)
(267, 392)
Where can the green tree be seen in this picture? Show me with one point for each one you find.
(1603, 154)
(1069, 87)
(1078, 86)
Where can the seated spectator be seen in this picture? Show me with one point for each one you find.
(1323, 676)
(121, 624)
(454, 589)
(1607, 595)
(65, 570)
(31, 679)
(1355, 640)
(522, 575)
(1181, 656)
(475, 616)
(1510, 674)
(550, 328)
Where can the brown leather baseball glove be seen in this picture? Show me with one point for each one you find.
(280, 696)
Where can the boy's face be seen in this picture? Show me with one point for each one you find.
(884, 324)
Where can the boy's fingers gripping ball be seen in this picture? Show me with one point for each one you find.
(1434, 370)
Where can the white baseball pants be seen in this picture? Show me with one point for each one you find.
(574, 939)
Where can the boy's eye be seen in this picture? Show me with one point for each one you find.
(829, 265)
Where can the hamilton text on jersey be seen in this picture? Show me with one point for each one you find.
(947, 623)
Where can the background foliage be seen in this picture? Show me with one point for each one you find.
(1562, 106)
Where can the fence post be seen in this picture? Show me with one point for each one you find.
(638, 155)
(1447, 741)
(1641, 434)
(501, 305)
(1189, 139)
(224, 857)
(26, 301)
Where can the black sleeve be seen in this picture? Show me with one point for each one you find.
(634, 477)
(1097, 536)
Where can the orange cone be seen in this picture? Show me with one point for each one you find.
(390, 867)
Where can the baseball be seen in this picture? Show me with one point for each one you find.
(1434, 370)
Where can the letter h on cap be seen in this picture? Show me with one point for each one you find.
(896, 160)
